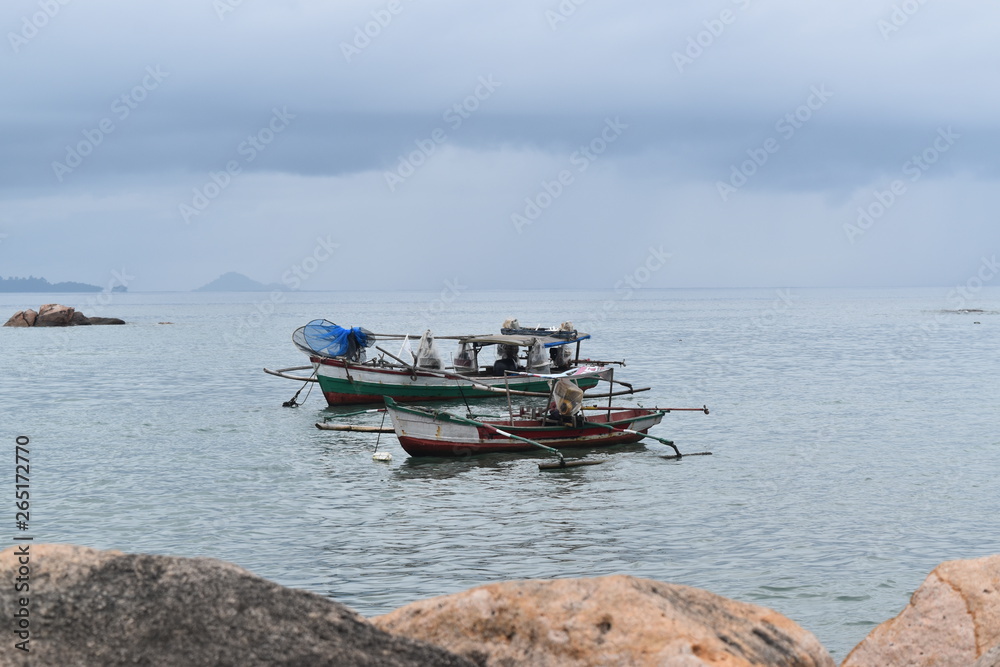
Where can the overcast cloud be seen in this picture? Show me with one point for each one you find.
(499, 143)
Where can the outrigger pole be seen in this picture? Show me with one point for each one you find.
(496, 390)
(669, 443)
(703, 408)
(563, 463)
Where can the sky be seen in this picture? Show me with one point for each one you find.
(396, 144)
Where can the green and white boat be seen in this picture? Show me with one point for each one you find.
(340, 364)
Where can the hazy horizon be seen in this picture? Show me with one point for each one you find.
(570, 144)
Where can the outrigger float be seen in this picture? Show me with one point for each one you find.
(424, 431)
(339, 364)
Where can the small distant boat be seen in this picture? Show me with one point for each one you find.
(346, 376)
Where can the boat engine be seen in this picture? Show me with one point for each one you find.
(427, 354)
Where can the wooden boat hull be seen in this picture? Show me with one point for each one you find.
(344, 383)
(430, 433)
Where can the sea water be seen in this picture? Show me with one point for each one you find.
(855, 438)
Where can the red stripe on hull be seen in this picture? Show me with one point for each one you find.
(424, 447)
(334, 398)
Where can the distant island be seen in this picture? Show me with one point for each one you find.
(237, 282)
(33, 284)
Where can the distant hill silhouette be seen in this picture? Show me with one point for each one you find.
(237, 282)
(33, 284)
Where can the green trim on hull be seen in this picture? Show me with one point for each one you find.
(451, 390)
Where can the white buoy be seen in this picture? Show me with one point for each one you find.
(381, 456)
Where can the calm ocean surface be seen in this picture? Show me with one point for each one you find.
(856, 436)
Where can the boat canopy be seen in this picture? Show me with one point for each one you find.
(521, 340)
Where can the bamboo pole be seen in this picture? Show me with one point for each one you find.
(638, 433)
(284, 373)
(323, 426)
(497, 390)
(636, 407)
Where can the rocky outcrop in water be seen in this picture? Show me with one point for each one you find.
(22, 318)
(89, 607)
(952, 620)
(617, 620)
(56, 315)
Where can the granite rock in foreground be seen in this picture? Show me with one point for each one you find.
(989, 659)
(953, 620)
(616, 620)
(90, 607)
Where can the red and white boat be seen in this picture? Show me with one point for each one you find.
(427, 432)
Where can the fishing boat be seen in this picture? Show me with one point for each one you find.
(560, 425)
(424, 431)
(340, 364)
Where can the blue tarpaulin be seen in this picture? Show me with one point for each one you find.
(329, 339)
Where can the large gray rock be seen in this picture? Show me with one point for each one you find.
(79, 319)
(22, 318)
(89, 607)
(607, 621)
(105, 320)
(54, 315)
(989, 659)
(952, 620)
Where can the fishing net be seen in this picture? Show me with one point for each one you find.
(327, 339)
